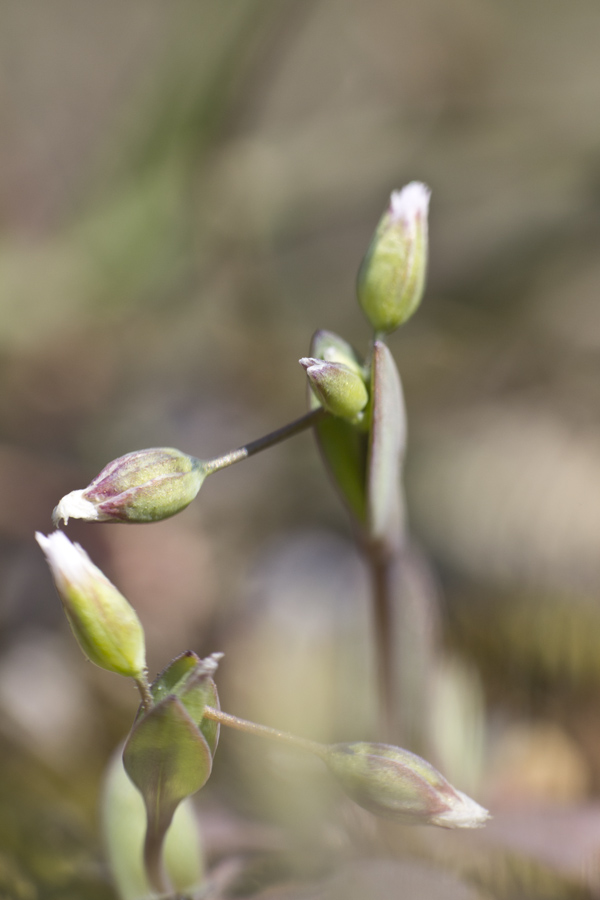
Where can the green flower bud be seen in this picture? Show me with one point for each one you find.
(340, 390)
(105, 625)
(391, 277)
(331, 347)
(143, 486)
(399, 785)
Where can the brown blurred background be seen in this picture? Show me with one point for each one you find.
(186, 191)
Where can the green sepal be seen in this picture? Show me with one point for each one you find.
(189, 678)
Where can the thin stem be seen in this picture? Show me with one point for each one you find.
(145, 693)
(381, 570)
(153, 861)
(264, 731)
(275, 437)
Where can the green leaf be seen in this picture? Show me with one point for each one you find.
(176, 673)
(124, 826)
(189, 678)
(167, 758)
(386, 450)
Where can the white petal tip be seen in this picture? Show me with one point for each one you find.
(75, 506)
(313, 365)
(465, 813)
(410, 203)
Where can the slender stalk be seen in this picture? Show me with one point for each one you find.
(144, 689)
(264, 731)
(275, 437)
(381, 571)
(153, 861)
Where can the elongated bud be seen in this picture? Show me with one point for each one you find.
(105, 625)
(392, 274)
(143, 486)
(397, 784)
(339, 388)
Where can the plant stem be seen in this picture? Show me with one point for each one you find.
(153, 861)
(381, 570)
(264, 731)
(144, 689)
(275, 437)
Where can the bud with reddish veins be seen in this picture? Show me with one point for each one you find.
(397, 784)
(143, 486)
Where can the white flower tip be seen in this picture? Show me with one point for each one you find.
(309, 363)
(410, 203)
(63, 555)
(211, 663)
(464, 813)
(75, 506)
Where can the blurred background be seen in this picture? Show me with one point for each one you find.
(186, 192)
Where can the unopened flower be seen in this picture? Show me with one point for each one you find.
(340, 390)
(391, 278)
(397, 784)
(105, 625)
(143, 486)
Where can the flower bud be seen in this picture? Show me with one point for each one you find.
(143, 486)
(331, 347)
(340, 390)
(392, 274)
(399, 785)
(105, 625)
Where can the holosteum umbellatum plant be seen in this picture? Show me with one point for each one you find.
(357, 414)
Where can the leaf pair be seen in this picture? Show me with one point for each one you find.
(366, 464)
(169, 753)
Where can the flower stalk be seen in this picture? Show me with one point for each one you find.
(308, 420)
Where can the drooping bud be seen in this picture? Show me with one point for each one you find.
(391, 277)
(340, 390)
(105, 625)
(143, 486)
(397, 784)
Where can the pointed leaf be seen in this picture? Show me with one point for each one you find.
(386, 450)
(168, 759)
(124, 827)
(189, 678)
(175, 673)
